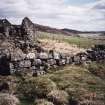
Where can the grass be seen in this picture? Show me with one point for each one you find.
(73, 76)
(26, 102)
(77, 81)
(97, 69)
(79, 41)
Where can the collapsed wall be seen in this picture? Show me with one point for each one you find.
(25, 31)
(19, 53)
(16, 39)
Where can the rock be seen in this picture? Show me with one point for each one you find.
(25, 64)
(38, 73)
(30, 55)
(17, 55)
(51, 62)
(37, 62)
(56, 55)
(43, 55)
(63, 61)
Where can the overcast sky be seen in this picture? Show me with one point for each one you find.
(73, 14)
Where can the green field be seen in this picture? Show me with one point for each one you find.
(79, 41)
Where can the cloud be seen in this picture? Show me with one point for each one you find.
(56, 13)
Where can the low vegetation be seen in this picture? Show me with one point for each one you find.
(97, 69)
(6, 99)
(58, 97)
(33, 88)
(71, 84)
(42, 102)
(83, 42)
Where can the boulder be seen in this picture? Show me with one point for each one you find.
(51, 62)
(12, 68)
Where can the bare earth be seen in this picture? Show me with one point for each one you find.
(61, 47)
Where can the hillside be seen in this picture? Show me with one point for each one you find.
(40, 65)
(51, 30)
(37, 27)
(80, 42)
(71, 84)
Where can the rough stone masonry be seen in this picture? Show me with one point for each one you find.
(20, 53)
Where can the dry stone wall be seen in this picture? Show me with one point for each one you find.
(39, 63)
(19, 54)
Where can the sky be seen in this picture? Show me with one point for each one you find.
(85, 15)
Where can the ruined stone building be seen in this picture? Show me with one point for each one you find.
(19, 52)
(14, 39)
(25, 31)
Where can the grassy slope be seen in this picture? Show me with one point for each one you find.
(75, 77)
(76, 81)
(72, 79)
(79, 41)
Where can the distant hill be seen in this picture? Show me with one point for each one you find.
(71, 31)
(48, 29)
(80, 32)
(28, 24)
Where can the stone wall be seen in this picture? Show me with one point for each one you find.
(19, 54)
(38, 62)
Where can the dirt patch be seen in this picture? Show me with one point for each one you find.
(61, 47)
